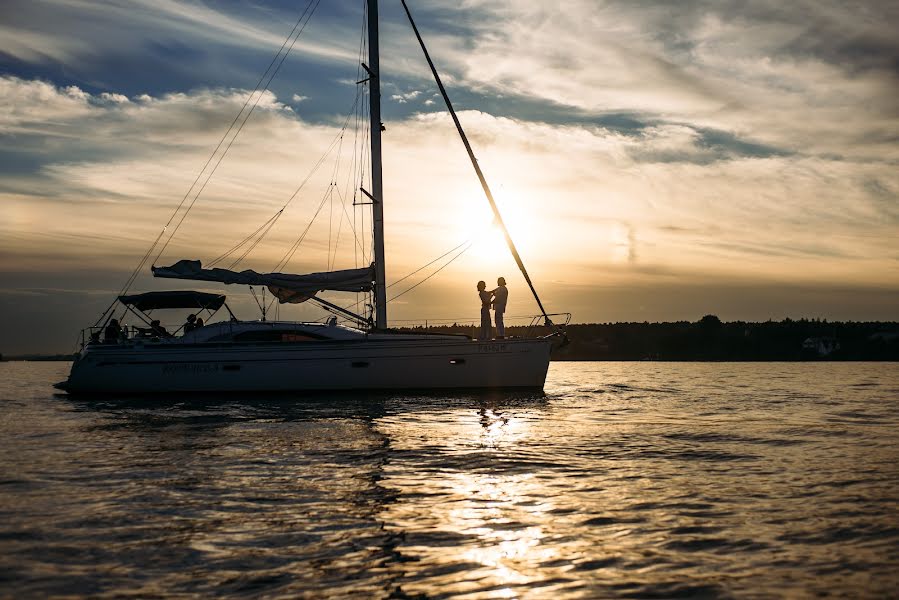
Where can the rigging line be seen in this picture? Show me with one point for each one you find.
(143, 261)
(137, 269)
(296, 244)
(474, 163)
(222, 257)
(250, 248)
(350, 179)
(237, 117)
(340, 220)
(241, 126)
(418, 270)
(289, 255)
(366, 158)
(253, 292)
(333, 261)
(345, 214)
(448, 263)
(293, 196)
(324, 156)
(334, 173)
(469, 242)
(106, 313)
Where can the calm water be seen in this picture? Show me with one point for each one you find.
(623, 480)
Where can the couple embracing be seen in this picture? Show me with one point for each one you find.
(496, 298)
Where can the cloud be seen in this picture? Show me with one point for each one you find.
(31, 46)
(68, 32)
(818, 78)
(406, 97)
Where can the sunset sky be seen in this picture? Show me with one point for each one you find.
(654, 160)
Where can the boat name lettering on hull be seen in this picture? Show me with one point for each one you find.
(194, 368)
(491, 347)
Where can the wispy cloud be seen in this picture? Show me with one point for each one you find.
(72, 30)
(406, 97)
(816, 77)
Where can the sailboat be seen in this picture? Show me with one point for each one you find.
(362, 353)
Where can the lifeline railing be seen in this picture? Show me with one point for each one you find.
(470, 325)
(129, 333)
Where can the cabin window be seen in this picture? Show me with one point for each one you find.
(297, 337)
(275, 335)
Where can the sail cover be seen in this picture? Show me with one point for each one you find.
(285, 286)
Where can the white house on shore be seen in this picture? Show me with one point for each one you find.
(822, 346)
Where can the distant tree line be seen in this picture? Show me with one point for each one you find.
(711, 340)
(705, 340)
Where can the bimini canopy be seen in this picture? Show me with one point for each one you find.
(181, 299)
(285, 286)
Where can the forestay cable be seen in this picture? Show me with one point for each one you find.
(477, 168)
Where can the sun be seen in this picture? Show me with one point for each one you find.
(490, 242)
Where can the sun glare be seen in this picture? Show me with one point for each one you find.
(488, 241)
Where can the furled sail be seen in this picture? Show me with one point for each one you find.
(287, 287)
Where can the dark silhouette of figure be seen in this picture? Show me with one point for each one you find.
(500, 298)
(484, 334)
(113, 332)
(199, 323)
(191, 324)
(157, 328)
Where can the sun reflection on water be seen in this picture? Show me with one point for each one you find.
(493, 520)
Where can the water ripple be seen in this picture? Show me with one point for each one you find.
(631, 480)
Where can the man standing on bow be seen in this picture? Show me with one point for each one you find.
(500, 297)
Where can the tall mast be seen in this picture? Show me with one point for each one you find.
(377, 206)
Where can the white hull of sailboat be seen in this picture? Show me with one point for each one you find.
(301, 367)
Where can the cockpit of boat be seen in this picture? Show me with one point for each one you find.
(145, 329)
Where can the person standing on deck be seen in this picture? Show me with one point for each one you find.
(485, 311)
(500, 297)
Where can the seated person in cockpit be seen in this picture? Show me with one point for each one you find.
(158, 330)
(113, 332)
